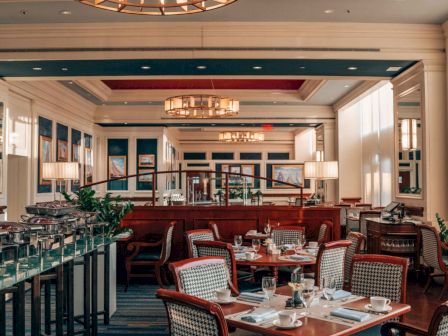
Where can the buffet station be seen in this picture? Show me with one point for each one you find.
(46, 248)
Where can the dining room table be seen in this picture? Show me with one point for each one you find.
(288, 258)
(320, 322)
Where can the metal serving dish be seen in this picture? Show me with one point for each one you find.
(17, 232)
(41, 223)
(54, 209)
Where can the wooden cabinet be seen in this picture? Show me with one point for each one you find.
(398, 239)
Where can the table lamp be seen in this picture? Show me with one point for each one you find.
(321, 170)
(60, 172)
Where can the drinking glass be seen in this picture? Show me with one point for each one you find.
(238, 239)
(267, 228)
(269, 285)
(256, 245)
(307, 297)
(329, 286)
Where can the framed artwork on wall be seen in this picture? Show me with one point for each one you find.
(292, 173)
(145, 178)
(249, 170)
(146, 160)
(75, 152)
(62, 151)
(117, 166)
(45, 145)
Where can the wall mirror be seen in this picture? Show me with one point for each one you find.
(410, 140)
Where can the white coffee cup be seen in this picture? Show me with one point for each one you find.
(379, 303)
(223, 294)
(287, 317)
(250, 255)
(313, 244)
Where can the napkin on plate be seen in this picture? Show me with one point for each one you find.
(259, 315)
(340, 294)
(350, 314)
(254, 297)
(298, 257)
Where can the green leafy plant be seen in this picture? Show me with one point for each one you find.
(112, 210)
(109, 209)
(443, 230)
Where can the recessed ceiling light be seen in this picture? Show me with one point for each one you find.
(145, 67)
(274, 102)
(242, 124)
(201, 67)
(291, 124)
(352, 68)
(64, 69)
(37, 68)
(65, 12)
(346, 85)
(329, 11)
(257, 67)
(213, 124)
(302, 67)
(149, 102)
(70, 82)
(394, 68)
(125, 103)
(125, 123)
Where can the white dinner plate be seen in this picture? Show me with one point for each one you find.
(369, 307)
(296, 324)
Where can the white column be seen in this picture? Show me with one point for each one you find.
(330, 142)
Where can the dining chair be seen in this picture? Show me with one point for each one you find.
(330, 262)
(189, 315)
(202, 277)
(219, 249)
(363, 206)
(432, 255)
(324, 232)
(155, 254)
(357, 239)
(214, 227)
(379, 275)
(360, 224)
(287, 234)
(193, 235)
(437, 327)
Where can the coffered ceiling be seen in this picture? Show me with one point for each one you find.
(398, 11)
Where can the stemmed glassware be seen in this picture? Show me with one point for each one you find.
(256, 244)
(267, 228)
(301, 241)
(307, 297)
(238, 239)
(269, 285)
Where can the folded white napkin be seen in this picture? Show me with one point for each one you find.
(260, 315)
(249, 296)
(350, 314)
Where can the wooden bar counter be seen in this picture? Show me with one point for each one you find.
(148, 222)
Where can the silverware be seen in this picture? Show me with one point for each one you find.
(248, 311)
(366, 311)
(331, 317)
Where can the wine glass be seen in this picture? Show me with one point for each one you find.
(269, 285)
(329, 286)
(256, 245)
(300, 244)
(238, 239)
(307, 297)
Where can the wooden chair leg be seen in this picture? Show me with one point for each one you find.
(428, 283)
(445, 288)
(158, 276)
(164, 276)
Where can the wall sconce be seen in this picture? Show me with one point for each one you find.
(409, 134)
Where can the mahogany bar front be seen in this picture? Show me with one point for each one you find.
(148, 222)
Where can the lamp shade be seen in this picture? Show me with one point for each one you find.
(60, 170)
(321, 170)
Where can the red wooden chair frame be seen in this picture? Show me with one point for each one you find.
(192, 301)
(177, 267)
(190, 233)
(386, 259)
(229, 248)
(325, 247)
(328, 233)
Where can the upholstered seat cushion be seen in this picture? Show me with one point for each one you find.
(148, 255)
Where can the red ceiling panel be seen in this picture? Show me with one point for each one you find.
(204, 84)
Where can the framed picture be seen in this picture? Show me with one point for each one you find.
(235, 180)
(88, 166)
(44, 155)
(249, 170)
(117, 166)
(75, 152)
(145, 178)
(287, 173)
(146, 160)
(62, 150)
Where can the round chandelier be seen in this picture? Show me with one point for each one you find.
(158, 7)
(241, 136)
(201, 106)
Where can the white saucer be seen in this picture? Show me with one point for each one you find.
(296, 324)
(224, 302)
(369, 307)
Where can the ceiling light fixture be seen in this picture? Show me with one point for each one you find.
(201, 106)
(329, 11)
(241, 136)
(352, 68)
(65, 12)
(158, 7)
(64, 69)
(145, 67)
(201, 67)
(302, 67)
(257, 67)
(37, 68)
